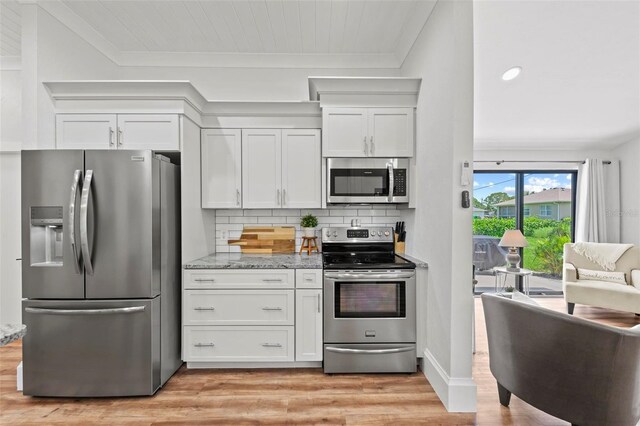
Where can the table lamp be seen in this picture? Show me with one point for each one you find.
(513, 239)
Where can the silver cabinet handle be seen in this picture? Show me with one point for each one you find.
(308, 280)
(266, 308)
(110, 136)
(272, 280)
(272, 345)
(204, 345)
(84, 222)
(237, 197)
(368, 276)
(365, 145)
(105, 311)
(204, 280)
(391, 181)
(75, 185)
(278, 197)
(369, 351)
(204, 308)
(284, 197)
(120, 137)
(372, 147)
(319, 302)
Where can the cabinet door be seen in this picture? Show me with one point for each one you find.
(301, 172)
(344, 132)
(85, 131)
(308, 325)
(391, 132)
(221, 168)
(148, 131)
(261, 168)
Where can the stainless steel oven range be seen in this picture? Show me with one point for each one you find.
(370, 310)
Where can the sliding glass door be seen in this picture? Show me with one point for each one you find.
(539, 203)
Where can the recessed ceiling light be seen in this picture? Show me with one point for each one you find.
(511, 73)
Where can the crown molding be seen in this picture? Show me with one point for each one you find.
(365, 91)
(554, 144)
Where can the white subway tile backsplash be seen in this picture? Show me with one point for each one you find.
(229, 222)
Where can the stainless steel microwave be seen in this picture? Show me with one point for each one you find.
(367, 180)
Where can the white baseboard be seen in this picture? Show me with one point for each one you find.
(459, 395)
(19, 385)
(295, 364)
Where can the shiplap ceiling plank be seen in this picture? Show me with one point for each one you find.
(308, 25)
(292, 22)
(324, 32)
(352, 26)
(338, 20)
(275, 11)
(323, 25)
(106, 23)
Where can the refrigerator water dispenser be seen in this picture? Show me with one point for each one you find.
(46, 236)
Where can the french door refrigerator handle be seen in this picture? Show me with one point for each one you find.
(72, 219)
(391, 181)
(84, 219)
(105, 311)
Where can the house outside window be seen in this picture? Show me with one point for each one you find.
(507, 211)
(527, 211)
(545, 210)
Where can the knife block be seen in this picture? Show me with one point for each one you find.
(399, 245)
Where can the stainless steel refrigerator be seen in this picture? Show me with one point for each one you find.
(100, 272)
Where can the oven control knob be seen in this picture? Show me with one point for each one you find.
(335, 233)
(386, 233)
(380, 233)
(328, 233)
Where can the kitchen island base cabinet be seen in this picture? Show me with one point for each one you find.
(239, 343)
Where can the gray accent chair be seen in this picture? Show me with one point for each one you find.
(574, 369)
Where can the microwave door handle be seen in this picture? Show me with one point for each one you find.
(84, 219)
(391, 181)
(75, 185)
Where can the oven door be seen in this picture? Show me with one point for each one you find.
(369, 306)
(365, 180)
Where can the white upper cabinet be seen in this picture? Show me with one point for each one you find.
(118, 131)
(344, 132)
(301, 168)
(221, 168)
(367, 132)
(148, 131)
(86, 131)
(261, 168)
(390, 132)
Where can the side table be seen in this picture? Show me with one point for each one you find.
(501, 278)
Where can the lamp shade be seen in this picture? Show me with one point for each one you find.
(513, 238)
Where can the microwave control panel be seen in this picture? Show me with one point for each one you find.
(400, 182)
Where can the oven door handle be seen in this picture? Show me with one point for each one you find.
(369, 351)
(389, 276)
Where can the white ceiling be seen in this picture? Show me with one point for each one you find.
(10, 28)
(299, 33)
(580, 84)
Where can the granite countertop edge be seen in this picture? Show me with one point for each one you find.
(11, 332)
(419, 263)
(256, 261)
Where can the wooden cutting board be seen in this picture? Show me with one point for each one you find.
(266, 240)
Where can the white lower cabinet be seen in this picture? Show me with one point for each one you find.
(252, 315)
(308, 325)
(239, 343)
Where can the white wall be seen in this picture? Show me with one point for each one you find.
(10, 110)
(628, 155)
(440, 228)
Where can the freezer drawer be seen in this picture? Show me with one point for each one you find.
(91, 348)
(370, 358)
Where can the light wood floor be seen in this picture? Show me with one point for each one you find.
(286, 396)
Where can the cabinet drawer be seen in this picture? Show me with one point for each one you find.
(238, 307)
(308, 278)
(239, 343)
(238, 278)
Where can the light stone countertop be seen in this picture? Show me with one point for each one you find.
(256, 261)
(11, 332)
(419, 263)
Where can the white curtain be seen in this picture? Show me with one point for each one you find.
(591, 208)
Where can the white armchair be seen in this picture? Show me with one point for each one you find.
(602, 293)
